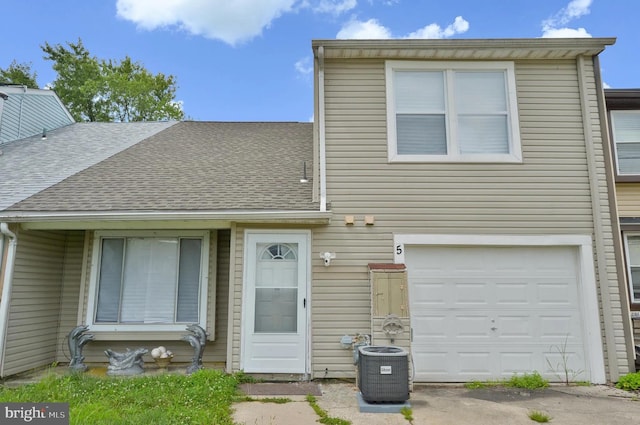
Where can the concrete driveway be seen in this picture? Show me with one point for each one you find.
(455, 405)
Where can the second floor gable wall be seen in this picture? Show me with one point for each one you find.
(544, 127)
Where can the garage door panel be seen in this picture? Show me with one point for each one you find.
(514, 326)
(512, 293)
(473, 362)
(470, 293)
(559, 293)
(490, 312)
(466, 325)
(431, 327)
(428, 292)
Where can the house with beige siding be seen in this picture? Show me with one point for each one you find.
(623, 107)
(452, 197)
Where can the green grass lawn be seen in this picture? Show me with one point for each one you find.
(202, 398)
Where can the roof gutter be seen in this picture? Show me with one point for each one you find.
(321, 131)
(7, 279)
(234, 215)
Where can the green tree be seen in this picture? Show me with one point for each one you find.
(134, 94)
(108, 90)
(20, 74)
(79, 82)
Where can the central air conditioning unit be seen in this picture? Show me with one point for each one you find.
(383, 374)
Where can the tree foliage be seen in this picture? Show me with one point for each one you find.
(110, 90)
(20, 74)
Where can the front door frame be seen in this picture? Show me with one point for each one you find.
(276, 236)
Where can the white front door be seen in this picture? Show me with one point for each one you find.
(275, 300)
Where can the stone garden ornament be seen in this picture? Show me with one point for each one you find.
(77, 339)
(198, 339)
(127, 363)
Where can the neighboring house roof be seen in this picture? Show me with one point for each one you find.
(194, 166)
(30, 165)
(622, 98)
(25, 112)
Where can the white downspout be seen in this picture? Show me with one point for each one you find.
(6, 289)
(321, 131)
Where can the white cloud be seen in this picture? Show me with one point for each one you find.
(555, 27)
(370, 29)
(304, 66)
(459, 26)
(335, 7)
(230, 21)
(565, 33)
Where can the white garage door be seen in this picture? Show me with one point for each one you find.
(481, 313)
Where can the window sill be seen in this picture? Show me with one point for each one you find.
(506, 159)
(141, 335)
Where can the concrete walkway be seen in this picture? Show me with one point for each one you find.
(455, 405)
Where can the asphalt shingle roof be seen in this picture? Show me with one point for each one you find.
(194, 166)
(30, 165)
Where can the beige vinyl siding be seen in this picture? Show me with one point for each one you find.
(71, 277)
(548, 193)
(34, 309)
(614, 319)
(215, 351)
(628, 195)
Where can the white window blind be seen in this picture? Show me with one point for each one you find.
(149, 280)
(633, 247)
(480, 102)
(420, 107)
(441, 111)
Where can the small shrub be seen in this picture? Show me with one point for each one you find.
(407, 412)
(243, 378)
(629, 382)
(474, 385)
(324, 417)
(528, 381)
(540, 417)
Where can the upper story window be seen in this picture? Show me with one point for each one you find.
(632, 242)
(625, 126)
(452, 111)
(148, 281)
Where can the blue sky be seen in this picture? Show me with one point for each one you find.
(251, 60)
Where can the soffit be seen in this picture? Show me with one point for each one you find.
(476, 49)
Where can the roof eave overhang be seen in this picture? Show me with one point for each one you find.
(464, 49)
(159, 219)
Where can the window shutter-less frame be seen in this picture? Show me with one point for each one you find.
(626, 135)
(452, 111)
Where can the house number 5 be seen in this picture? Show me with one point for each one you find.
(399, 249)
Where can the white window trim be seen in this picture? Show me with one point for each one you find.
(93, 281)
(612, 115)
(515, 149)
(627, 261)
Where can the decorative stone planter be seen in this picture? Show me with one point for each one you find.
(162, 362)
